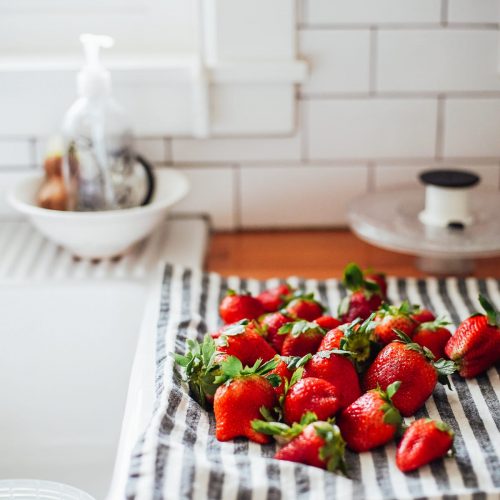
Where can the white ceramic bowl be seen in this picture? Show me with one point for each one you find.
(102, 234)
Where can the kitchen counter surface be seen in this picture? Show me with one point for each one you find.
(311, 254)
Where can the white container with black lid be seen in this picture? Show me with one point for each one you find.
(447, 198)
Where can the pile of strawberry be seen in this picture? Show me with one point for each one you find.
(281, 367)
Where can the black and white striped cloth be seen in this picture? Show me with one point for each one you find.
(178, 456)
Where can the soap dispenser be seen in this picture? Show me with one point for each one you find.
(101, 170)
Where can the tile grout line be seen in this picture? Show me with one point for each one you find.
(444, 13)
(168, 150)
(440, 127)
(373, 61)
(400, 26)
(455, 94)
(371, 177)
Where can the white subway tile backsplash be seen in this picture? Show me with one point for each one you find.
(437, 60)
(238, 21)
(237, 149)
(371, 128)
(301, 196)
(245, 109)
(370, 11)
(473, 11)
(16, 153)
(156, 149)
(211, 192)
(472, 128)
(390, 176)
(339, 60)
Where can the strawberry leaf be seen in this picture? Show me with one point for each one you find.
(235, 328)
(266, 413)
(393, 388)
(491, 312)
(297, 375)
(300, 327)
(333, 450)
(294, 362)
(444, 368)
(353, 277)
(274, 379)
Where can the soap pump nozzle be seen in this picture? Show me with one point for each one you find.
(94, 79)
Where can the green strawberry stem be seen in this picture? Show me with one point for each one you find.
(297, 328)
(199, 368)
(333, 451)
(232, 368)
(391, 413)
(491, 312)
(354, 280)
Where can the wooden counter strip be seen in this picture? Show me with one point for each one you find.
(312, 254)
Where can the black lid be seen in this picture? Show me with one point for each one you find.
(449, 178)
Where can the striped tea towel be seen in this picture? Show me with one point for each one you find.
(178, 456)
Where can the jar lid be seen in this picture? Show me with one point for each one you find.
(449, 178)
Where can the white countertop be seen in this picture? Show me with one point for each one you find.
(75, 325)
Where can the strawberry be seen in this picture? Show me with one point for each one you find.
(339, 371)
(425, 440)
(327, 322)
(274, 298)
(434, 336)
(304, 307)
(235, 307)
(240, 398)
(302, 337)
(319, 444)
(310, 394)
(355, 337)
(365, 298)
(272, 322)
(475, 345)
(390, 318)
(242, 341)
(240, 327)
(285, 375)
(379, 279)
(372, 420)
(411, 364)
(420, 315)
(201, 365)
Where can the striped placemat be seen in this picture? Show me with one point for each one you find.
(178, 456)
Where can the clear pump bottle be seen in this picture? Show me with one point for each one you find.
(101, 170)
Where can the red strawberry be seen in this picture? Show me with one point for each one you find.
(371, 421)
(310, 394)
(327, 322)
(302, 338)
(475, 345)
(274, 298)
(244, 343)
(365, 298)
(354, 337)
(420, 315)
(339, 371)
(359, 305)
(319, 444)
(411, 364)
(238, 401)
(390, 318)
(235, 307)
(201, 365)
(272, 322)
(425, 440)
(379, 279)
(284, 374)
(434, 336)
(304, 307)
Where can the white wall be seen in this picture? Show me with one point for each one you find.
(396, 86)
